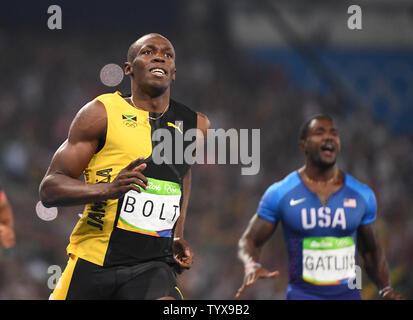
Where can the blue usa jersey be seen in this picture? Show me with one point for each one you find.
(321, 240)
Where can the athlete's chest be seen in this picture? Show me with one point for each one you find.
(303, 212)
(134, 132)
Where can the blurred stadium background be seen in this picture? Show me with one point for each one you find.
(246, 64)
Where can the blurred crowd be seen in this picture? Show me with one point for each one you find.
(46, 81)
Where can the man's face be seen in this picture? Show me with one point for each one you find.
(322, 144)
(153, 65)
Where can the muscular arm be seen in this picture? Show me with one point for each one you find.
(179, 230)
(182, 253)
(373, 256)
(249, 249)
(257, 233)
(61, 185)
(203, 124)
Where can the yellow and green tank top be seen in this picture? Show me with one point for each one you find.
(139, 226)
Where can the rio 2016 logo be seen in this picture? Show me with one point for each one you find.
(170, 189)
(153, 186)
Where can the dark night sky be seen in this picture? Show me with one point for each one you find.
(89, 14)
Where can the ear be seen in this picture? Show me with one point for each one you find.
(173, 75)
(128, 68)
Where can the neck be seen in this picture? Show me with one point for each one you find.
(150, 101)
(320, 174)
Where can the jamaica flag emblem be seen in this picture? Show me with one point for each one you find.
(129, 120)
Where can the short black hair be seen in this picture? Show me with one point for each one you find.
(304, 127)
(132, 48)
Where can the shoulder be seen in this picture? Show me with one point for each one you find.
(270, 206)
(202, 121)
(91, 112)
(280, 188)
(90, 121)
(181, 107)
(362, 189)
(108, 97)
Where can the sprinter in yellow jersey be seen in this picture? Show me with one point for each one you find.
(129, 241)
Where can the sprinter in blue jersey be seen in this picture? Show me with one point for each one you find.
(327, 216)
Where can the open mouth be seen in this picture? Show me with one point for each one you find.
(158, 72)
(328, 148)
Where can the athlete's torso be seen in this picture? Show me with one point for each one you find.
(321, 240)
(139, 226)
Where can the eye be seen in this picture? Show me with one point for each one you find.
(168, 55)
(147, 51)
(319, 132)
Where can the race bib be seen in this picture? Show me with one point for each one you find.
(328, 260)
(152, 212)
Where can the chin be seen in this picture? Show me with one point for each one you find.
(325, 164)
(156, 88)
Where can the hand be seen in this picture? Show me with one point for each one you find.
(183, 255)
(252, 274)
(7, 237)
(392, 295)
(129, 178)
